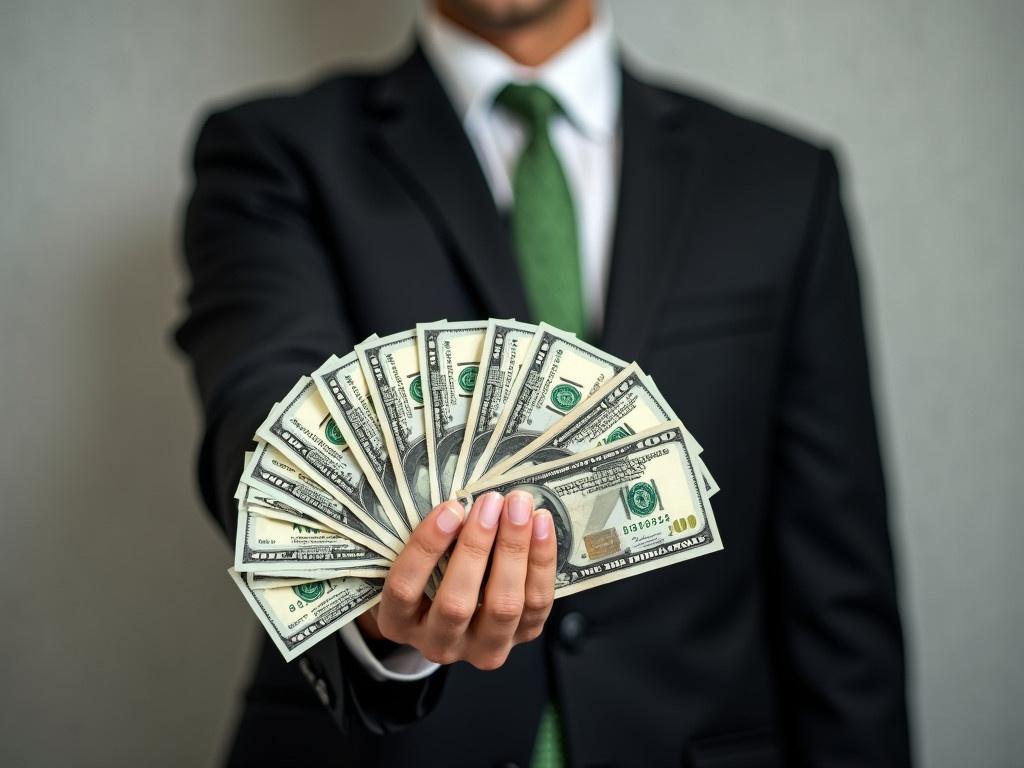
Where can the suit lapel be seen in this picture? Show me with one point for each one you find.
(418, 133)
(656, 180)
(421, 136)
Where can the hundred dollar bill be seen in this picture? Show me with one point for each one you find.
(299, 617)
(266, 545)
(614, 411)
(504, 345)
(344, 390)
(294, 578)
(559, 372)
(710, 486)
(259, 581)
(449, 363)
(260, 503)
(273, 473)
(620, 509)
(301, 427)
(278, 510)
(392, 370)
(627, 404)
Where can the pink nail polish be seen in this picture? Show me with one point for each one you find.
(541, 525)
(490, 509)
(520, 505)
(448, 520)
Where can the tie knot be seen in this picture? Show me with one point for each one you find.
(532, 103)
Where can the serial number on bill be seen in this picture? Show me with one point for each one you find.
(643, 525)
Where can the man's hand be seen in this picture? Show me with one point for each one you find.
(463, 624)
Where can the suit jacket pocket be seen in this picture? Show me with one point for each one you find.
(745, 749)
(707, 316)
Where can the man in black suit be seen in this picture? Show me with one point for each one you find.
(711, 249)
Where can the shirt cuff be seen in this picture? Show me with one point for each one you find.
(404, 664)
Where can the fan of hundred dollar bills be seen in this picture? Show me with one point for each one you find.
(361, 450)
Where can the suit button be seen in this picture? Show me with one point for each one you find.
(572, 630)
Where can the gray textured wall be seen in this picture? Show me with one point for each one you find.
(123, 641)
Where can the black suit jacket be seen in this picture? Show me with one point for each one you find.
(358, 206)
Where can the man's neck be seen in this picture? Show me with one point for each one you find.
(531, 43)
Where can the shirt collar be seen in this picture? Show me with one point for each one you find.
(584, 76)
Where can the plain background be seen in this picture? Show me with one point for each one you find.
(123, 641)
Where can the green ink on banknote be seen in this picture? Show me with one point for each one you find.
(467, 378)
(565, 397)
(616, 434)
(309, 592)
(416, 390)
(332, 433)
(642, 499)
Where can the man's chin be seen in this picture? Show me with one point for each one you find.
(501, 14)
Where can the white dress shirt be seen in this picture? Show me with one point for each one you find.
(585, 79)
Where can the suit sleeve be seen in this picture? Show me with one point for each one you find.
(836, 617)
(266, 307)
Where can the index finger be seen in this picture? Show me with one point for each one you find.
(407, 580)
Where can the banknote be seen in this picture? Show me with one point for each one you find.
(260, 581)
(294, 579)
(260, 503)
(616, 410)
(559, 372)
(301, 428)
(265, 545)
(344, 390)
(449, 363)
(502, 350)
(627, 404)
(299, 617)
(392, 370)
(349, 462)
(270, 471)
(710, 485)
(278, 510)
(620, 509)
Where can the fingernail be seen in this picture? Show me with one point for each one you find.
(520, 505)
(448, 520)
(541, 525)
(490, 509)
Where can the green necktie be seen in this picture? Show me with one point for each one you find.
(548, 750)
(543, 218)
(544, 231)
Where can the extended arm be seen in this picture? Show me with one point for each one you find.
(265, 308)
